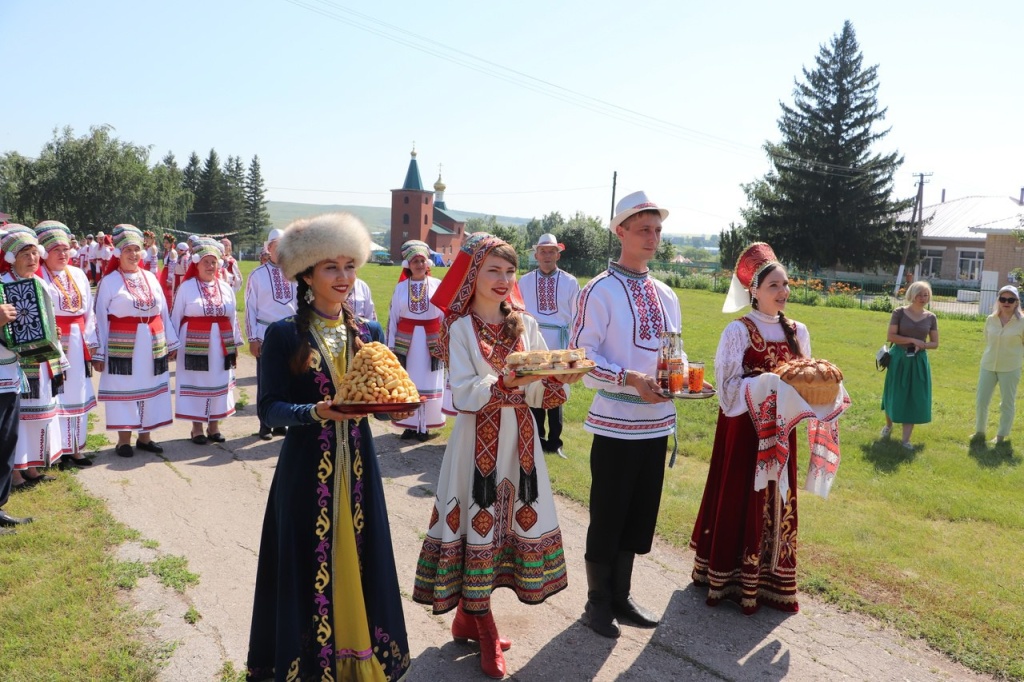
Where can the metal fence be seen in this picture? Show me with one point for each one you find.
(967, 298)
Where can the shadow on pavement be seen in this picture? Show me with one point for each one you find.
(576, 653)
(720, 641)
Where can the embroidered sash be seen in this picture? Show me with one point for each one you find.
(121, 343)
(198, 339)
(65, 323)
(403, 338)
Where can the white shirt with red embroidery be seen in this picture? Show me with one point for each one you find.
(269, 297)
(551, 299)
(619, 321)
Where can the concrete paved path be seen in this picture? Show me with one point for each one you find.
(206, 503)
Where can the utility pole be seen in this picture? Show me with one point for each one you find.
(914, 233)
(615, 179)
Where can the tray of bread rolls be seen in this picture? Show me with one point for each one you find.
(549, 362)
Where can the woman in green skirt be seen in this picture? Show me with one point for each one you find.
(907, 397)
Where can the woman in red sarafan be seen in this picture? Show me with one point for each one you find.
(745, 539)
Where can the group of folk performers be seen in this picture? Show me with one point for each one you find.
(328, 603)
(127, 331)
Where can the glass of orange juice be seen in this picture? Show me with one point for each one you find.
(696, 377)
(676, 376)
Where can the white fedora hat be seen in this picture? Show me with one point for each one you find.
(632, 204)
(548, 240)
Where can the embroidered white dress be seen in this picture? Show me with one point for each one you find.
(140, 401)
(269, 297)
(73, 304)
(619, 321)
(151, 261)
(205, 395)
(469, 551)
(361, 301)
(231, 273)
(411, 301)
(38, 427)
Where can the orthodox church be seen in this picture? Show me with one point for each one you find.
(417, 213)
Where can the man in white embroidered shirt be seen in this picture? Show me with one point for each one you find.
(550, 294)
(269, 297)
(621, 315)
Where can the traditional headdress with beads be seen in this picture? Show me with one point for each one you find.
(749, 267)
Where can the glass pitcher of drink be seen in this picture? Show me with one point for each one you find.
(672, 363)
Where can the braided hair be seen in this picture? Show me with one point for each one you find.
(299, 361)
(514, 326)
(788, 328)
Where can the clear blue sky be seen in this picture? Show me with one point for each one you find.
(332, 109)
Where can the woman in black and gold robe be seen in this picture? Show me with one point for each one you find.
(327, 603)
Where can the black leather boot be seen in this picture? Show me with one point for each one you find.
(598, 614)
(623, 605)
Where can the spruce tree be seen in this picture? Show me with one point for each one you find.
(190, 183)
(827, 202)
(257, 218)
(233, 209)
(210, 196)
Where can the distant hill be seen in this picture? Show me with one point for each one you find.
(376, 218)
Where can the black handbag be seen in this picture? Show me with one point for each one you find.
(882, 358)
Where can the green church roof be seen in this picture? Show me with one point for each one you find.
(412, 176)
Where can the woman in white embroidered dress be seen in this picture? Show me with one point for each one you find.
(136, 342)
(413, 327)
(493, 522)
(205, 320)
(38, 430)
(72, 303)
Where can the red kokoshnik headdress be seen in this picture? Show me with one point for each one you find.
(454, 294)
(749, 266)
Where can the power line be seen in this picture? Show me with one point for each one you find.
(401, 36)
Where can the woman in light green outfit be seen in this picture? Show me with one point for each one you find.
(1001, 363)
(907, 396)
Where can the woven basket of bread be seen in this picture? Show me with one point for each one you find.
(817, 381)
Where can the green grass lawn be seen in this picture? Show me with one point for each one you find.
(931, 541)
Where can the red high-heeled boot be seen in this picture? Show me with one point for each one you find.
(492, 661)
(464, 629)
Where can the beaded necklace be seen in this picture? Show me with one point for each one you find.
(69, 296)
(333, 334)
(417, 297)
(137, 286)
(210, 295)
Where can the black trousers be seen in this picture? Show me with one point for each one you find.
(10, 404)
(259, 363)
(553, 440)
(625, 494)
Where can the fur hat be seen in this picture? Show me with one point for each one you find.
(307, 241)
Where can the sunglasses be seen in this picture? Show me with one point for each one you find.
(1003, 299)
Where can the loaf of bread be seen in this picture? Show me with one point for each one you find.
(817, 381)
